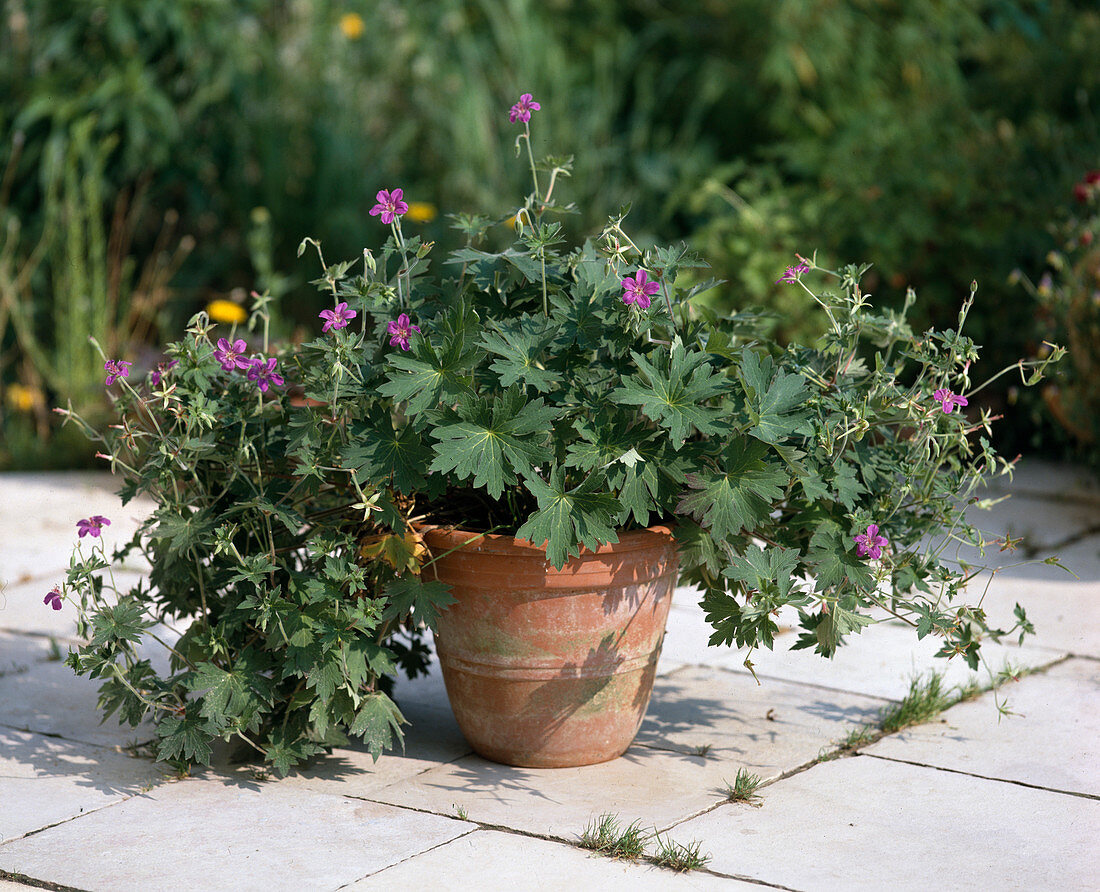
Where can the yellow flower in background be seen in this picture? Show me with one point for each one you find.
(23, 398)
(421, 212)
(226, 311)
(351, 23)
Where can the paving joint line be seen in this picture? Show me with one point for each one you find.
(1029, 550)
(83, 813)
(547, 837)
(806, 684)
(1002, 780)
(839, 751)
(415, 855)
(33, 883)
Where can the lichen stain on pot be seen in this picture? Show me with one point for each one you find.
(545, 667)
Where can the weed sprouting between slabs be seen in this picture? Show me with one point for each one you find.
(677, 856)
(606, 836)
(743, 788)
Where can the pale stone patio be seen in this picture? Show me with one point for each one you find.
(965, 801)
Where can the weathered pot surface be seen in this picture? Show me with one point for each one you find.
(551, 668)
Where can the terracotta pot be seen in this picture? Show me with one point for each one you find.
(551, 668)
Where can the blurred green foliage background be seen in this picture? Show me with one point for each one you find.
(157, 154)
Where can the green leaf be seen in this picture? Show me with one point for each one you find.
(673, 392)
(771, 398)
(493, 444)
(765, 570)
(828, 628)
(186, 738)
(119, 622)
(422, 598)
(284, 750)
(379, 454)
(845, 484)
(521, 343)
(834, 563)
(324, 677)
(739, 497)
(114, 694)
(235, 694)
(377, 723)
(425, 376)
(567, 519)
(745, 626)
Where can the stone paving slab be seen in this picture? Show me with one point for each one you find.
(866, 823)
(19, 653)
(1081, 558)
(38, 538)
(22, 610)
(765, 728)
(1043, 479)
(1066, 614)
(202, 834)
(50, 699)
(45, 780)
(1041, 522)
(880, 662)
(491, 860)
(662, 779)
(432, 738)
(1057, 714)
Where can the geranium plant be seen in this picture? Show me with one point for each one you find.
(560, 393)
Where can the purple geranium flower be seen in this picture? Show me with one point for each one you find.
(53, 597)
(264, 374)
(521, 111)
(389, 205)
(161, 370)
(400, 331)
(949, 400)
(639, 291)
(792, 273)
(116, 368)
(337, 318)
(871, 543)
(231, 356)
(92, 526)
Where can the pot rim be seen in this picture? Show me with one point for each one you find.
(453, 537)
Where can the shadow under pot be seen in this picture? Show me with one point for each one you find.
(550, 668)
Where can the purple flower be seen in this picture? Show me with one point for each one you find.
(400, 331)
(792, 273)
(949, 400)
(116, 368)
(638, 291)
(389, 205)
(92, 525)
(53, 598)
(338, 318)
(161, 370)
(231, 356)
(871, 543)
(521, 111)
(264, 374)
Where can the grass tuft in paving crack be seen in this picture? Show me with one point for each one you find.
(676, 856)
(927, 698)
(606, 836)
(743, 788)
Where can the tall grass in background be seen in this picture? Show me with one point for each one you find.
(935, 138)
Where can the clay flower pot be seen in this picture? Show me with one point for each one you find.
(551, 668)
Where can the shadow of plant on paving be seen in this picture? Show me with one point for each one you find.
(95, 768)
(678, 717)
